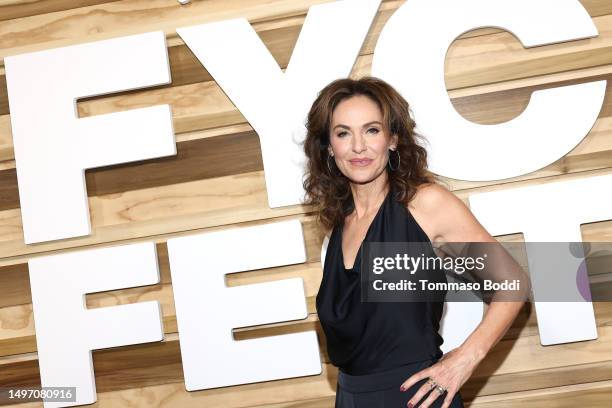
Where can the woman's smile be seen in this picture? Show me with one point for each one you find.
(361, 162)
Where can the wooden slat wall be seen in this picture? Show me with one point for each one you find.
(216, 180)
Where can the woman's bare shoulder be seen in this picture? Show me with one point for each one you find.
(431, 206)
(447, 216)
(430, 196)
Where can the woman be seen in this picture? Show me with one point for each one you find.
(367, 177)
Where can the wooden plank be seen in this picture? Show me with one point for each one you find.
(198, 159)
(15, 284)
(127, 17)
(593, 395)
(193, 205)
(13, 9)
(536, 379)
(596, 395)
(135, 16)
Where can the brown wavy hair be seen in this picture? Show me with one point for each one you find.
(329, 191)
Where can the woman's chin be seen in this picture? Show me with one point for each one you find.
(361, 178)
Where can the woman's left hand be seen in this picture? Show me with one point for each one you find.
(450, 372)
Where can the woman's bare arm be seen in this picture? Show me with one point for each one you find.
(448, 219)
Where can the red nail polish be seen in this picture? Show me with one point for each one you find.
(402, 388)
(410, 405)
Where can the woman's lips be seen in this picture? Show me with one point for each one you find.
(361, 163)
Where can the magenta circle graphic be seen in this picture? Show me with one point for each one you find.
(582, 281)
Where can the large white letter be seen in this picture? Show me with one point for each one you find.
(67, 332)
(276, 104)
(554, 123)
(207, 311)
(53, 147)
(551, 212)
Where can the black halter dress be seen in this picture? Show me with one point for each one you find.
(370, 337)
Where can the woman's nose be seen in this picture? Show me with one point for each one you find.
(358, 143)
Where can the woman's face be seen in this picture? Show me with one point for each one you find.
(358, 141)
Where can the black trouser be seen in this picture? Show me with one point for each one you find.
(381, 390)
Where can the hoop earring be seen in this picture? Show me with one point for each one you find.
(330, 170)
(399, 160)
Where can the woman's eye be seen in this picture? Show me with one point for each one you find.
(374, 129)
(341, 134)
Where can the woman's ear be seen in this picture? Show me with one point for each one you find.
(394, 141)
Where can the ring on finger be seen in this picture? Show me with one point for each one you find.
(431, 383)
(440, 389)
